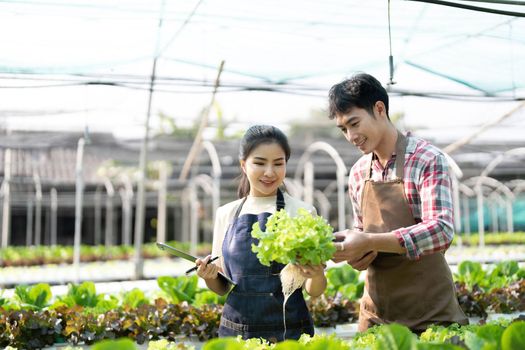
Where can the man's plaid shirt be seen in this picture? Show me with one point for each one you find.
(428, 188)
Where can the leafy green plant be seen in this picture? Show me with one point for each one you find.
(208, 297)
(134, 298)
(85, 296)
(500, 275)
(34, 297)
(345, 281)
(303, 239)
(180, 288)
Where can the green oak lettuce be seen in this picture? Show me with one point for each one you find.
(303, 239)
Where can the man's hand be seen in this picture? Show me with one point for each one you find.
(354, 247)
(364, 262)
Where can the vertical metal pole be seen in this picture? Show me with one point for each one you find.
(161, 204)
(109, 236)
(79, 193)
(466, 214)
(29, 223)
(185, 236)
(127, 198)
(54, 214)
(140, 211)
(6, 212)
(38, 210)
(510, 215)
(494, 211)
(98, 216)
(481, 221)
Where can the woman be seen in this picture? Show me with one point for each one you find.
(254, 307)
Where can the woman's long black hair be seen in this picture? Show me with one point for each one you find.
(255, 136)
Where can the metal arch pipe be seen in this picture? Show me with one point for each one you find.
(340, 174)
(495, 198)
(517, 185)
(456, 170)
(505, 202)
(478, 182)
(520, 151)
(490, 182)
(324, 204)
(293, 187)
(467, 192)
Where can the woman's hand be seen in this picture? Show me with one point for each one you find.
(315, 278)
(205, 270)
(311, 271)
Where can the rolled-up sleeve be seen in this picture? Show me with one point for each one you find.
(436, 230)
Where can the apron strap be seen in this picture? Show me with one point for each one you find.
(401, 145)
(238, 211)
(280, 200)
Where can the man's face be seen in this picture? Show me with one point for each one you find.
(363, 130)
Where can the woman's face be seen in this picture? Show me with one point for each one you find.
(265, 169)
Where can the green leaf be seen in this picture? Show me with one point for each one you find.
(180, 288)
(491, 333)
(290, 345)
(34, 297)
(443, 346)
(121, 344)
(514, 336)
(476, 342)
(207, 297)
(84, 294)
(223, 344)
(395, 337)
(134, 298)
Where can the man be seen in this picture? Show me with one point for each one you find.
(401, 196)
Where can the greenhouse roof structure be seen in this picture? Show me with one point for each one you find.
(299, 47)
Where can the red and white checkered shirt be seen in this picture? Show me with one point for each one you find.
(428, 188)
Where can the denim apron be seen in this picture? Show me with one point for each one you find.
(254, 307)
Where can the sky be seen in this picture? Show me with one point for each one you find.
(56, 54)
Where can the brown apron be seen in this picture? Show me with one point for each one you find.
(397, 289)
